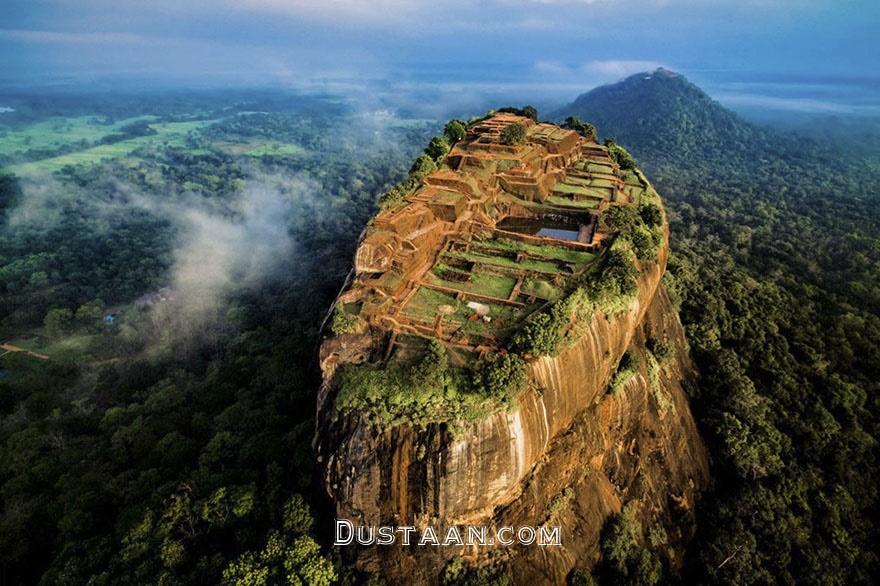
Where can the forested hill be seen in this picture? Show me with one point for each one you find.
(662, 116)
(775, 263)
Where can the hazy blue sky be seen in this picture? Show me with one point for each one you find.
(557, 47)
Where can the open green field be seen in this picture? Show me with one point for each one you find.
(496, 311)
(575, 180)
(167, 133)
(73, 345)
(59, 132)
(594, 167)
(260, 148)
(31, 343)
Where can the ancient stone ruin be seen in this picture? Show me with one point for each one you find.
(522, 217)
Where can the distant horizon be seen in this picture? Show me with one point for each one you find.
(807, 57)
(752, 95)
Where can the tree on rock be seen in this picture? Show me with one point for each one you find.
(454, 131)
(513, 134)
(585, 129)
(438, 148)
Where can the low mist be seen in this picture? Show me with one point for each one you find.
(220, 246)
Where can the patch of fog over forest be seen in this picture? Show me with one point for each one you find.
(228, 230)
(217, 256)
(218, 247)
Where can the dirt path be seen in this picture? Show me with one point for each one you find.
(7, 348)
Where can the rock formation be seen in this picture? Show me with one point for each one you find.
(495, 237)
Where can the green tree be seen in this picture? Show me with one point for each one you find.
(585, 129)
(58, 321)
(89, 315)
(503, 377)
(624, 560)
(513, 134)
(620, 154)
(295, 563)
(438, 148)
(297, 516)
(422, 166)
(455, 130)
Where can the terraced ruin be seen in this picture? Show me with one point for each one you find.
(496, 233)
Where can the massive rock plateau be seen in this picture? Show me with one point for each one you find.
(569, 454)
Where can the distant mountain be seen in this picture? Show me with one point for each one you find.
(774, 265)
(662, 117)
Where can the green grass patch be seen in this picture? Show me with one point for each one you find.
(260, 149)
(541, 288)
(74, 344)
(426, 301)
(502, 316)
(574, 180)
(570, 189)
(543, 266)
(32, 344)
(59, 132)
(481, 284)
(584, 204)
(543, 250)
(608, 183)
(167, 134)
(600, 168)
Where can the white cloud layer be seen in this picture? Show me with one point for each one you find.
(618, 68)
(602, 70)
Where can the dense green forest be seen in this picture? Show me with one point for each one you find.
(170, 443)
(775, 266)
(167, 441)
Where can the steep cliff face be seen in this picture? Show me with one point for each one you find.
(638, 447)
(639, 444)
(569, 454)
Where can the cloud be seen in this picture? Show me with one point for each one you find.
(570, 2)
(221, 252)
(421, 16)
(221, 248)
(376, 11)
(802, 105)
(552, 68)
(56, 37)
(618, 68)
(598, 71)
(42, 204)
